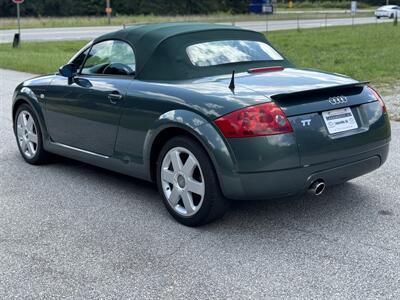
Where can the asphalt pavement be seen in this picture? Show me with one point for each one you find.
(86, 33)
(70, 230)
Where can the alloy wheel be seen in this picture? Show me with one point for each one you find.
(27, 134)
(182, 181)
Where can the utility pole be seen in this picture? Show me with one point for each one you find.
(108, 11)
(19, 19)
(17, 36)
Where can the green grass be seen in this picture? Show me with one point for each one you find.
(365, 52)
(38, 57)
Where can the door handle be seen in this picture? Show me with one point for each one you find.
(114, 97)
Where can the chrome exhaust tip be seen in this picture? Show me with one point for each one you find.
(317, 187)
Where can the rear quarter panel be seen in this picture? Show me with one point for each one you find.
(146, 103)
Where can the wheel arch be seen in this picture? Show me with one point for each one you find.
(192, 125)
(18, 102)
(161, 139)
(25, 98)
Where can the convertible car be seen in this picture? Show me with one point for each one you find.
(210, 113)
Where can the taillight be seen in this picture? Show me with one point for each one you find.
(257, 120)
(378, 97)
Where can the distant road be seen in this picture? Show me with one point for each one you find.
(314, 23)
(321, 11)
(86, 33)
(57, 34)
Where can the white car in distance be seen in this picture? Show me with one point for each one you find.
(388, 11)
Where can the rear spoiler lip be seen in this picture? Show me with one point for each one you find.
(328, 88)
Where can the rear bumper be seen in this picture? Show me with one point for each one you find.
(289, 182)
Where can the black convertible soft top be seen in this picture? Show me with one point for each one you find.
(160, 49)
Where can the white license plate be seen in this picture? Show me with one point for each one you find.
(339, 120)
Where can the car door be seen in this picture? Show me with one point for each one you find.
(84, 112)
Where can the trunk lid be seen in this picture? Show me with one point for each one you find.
(290, 80)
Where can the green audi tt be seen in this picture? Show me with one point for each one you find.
(210, 113)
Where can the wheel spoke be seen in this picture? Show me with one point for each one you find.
(174, 197)
(26, 147)
(20, 131)
(24, 120)
(29, 124)
(20, 121)
(176, 161)
(195, 187)
(167, 175)
(188, 202)
(23, 145)
(189, 166)
(31, 149)
(33, 137)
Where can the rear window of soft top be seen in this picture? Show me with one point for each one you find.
(230, 51)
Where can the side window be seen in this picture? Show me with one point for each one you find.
(110, 57)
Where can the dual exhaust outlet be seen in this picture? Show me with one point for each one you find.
(317, 187)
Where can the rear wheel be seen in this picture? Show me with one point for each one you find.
(29, 135)
(188, 184)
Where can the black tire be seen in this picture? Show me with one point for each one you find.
(41, 156)
(391, 16)
(214, 204)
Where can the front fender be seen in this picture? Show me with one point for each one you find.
(24, 94)
(209, 137)
(32, 91)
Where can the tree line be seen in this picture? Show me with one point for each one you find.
(123, 7)
(36, 8)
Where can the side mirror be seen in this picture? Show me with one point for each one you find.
(68, 70)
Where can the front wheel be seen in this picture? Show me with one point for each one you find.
(188, 184)
(29, 135)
